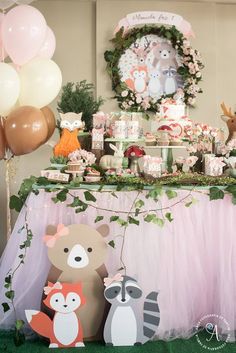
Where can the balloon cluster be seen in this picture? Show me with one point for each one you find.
(29, 83)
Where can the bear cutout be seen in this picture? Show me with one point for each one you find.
(78, 252)
(165, 55)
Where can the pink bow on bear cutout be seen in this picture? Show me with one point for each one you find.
(109, 280)
(48, 289)
(50, 240)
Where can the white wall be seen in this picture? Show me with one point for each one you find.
(83, 29)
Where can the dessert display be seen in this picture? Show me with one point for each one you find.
(92, 175)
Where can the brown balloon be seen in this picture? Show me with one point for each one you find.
(2, 140)
(25, 129)
(51, 121)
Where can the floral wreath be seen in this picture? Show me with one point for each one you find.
(189, 69)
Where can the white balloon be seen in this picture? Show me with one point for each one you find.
(40, 81)
(9, 88)
(5, 4)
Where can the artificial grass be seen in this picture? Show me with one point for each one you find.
(176, 346)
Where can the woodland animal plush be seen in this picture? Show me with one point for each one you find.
(108, 161)
(123, 326)
(230, 120)
(65, 329)
(70, 124)
(79, 252)
(164, 54)
(170, 84)
(155, 82)
(138, 82)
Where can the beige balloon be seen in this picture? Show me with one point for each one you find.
(40, 81)
(2, 140)
(51, 121)
(25, 129)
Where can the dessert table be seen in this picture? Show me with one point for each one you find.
(191, 261)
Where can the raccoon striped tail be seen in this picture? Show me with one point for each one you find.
(151, 316)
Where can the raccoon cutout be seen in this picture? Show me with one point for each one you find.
(124, 326)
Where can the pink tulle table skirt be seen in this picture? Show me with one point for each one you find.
(191, 261)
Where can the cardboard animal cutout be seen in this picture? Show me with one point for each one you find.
(230, 119)
(70, 123)
(78, 251)
(124, 326)
(65, 329)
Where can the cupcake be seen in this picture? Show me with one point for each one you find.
(163, 138)
(74, 166)
(150, 139)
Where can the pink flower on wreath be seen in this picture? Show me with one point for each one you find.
(145, 103)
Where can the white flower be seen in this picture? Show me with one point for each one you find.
(124, 93)
(83, 156)
(138, 99)
(131, 102)
(191, 160)
(198, 74)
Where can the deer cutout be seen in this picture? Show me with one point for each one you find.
(142, 52)
(230, 119)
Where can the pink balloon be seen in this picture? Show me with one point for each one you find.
(3, 53)
(48, 48)
(23, 32)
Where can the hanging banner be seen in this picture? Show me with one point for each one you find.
(155, 17)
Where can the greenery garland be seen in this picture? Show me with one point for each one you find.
(158, 215)
(190, 70)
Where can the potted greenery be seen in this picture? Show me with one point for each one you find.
(79, 97)
(58, 162)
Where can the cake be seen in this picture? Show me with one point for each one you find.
(172, 117)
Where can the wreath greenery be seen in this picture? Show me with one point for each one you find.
(190, 69)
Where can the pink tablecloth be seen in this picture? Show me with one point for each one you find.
(190, 261)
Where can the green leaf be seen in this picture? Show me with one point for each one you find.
(114, 218)
(62, 195)
(132, 220)
(112, 244)
(171, 194)
(159, 221)
(76, 202)
(98, 219)
(19, 324)
(7, 285)
(234, 199)
(169, 217)
(216, 193)
(15, 203)
(8, 279)
(89, 197)
(155, 193)
(193, 201)
(122, 222)
(149, 218)
(6, 307)
(21, 256)
(154, 219)
(10, 294)
(120, 269)
(139, 204)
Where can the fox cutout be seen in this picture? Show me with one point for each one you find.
(70, 123)
(138, 83)
(65, 330)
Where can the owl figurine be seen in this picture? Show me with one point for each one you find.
(71, 123)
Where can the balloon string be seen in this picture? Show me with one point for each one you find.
(2, 51)
(7, 179)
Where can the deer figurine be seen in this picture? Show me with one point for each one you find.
(142, 52)
(230, 120)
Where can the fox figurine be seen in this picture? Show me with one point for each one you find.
(65, 329)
